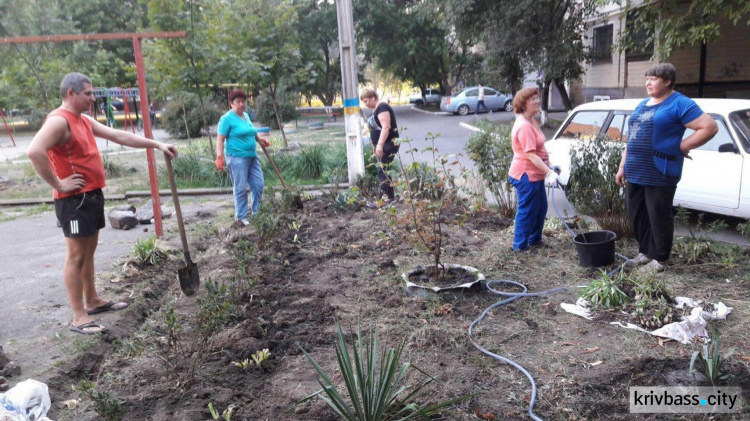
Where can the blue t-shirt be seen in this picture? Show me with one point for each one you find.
(653, 152)
(240, 135)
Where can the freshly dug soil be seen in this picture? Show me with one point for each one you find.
(173, 355)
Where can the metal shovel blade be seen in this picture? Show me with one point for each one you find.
(190, 280)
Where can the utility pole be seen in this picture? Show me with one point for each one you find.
(354, 154)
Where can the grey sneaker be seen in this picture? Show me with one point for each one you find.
(653, 267)
(245, 222)
(639, 260)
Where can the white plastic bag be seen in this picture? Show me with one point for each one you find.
(27, 401)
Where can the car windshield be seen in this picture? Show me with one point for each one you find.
(741, 122)
(585, 125)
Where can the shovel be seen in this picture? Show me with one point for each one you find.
(189, 278)
(273, 164)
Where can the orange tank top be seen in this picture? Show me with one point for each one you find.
(79, 156)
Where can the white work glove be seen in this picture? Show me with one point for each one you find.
(550, 180)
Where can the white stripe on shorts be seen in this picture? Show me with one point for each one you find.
(74, 227)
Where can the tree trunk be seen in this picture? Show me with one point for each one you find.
(564, 95)
(545, 104)
(184, 118)
(206, 126)
(278, 119)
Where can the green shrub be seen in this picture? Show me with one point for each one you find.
(147, 252)
(194, 167)
(491, 151)
(593, 191)
(112, 167)
(285, 104)
(183, 117)
(605, 292)
(710, 362)
(310, 162)
(373, 381)
(106, 406)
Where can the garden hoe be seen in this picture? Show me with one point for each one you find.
(189, 278)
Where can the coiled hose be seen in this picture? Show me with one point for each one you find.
(512, 296)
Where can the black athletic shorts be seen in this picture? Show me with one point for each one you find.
(81, 215)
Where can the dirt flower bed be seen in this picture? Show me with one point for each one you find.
(176, 355)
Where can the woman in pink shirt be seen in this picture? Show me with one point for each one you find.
(529, 171)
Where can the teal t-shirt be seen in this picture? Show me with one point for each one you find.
(240, 135)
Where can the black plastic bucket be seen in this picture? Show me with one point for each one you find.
(595, 248)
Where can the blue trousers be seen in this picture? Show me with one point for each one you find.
(480, 103)
(244, 172)
(532, 209)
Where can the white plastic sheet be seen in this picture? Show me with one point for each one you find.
(27, 401)
(685, 331)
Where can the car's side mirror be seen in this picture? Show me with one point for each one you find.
(728, 147)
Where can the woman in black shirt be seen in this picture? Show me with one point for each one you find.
(383, 129)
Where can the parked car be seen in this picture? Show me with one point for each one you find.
(716, 179)
(429, 96)
(465, 102)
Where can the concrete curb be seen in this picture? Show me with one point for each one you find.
(165, 193)
(429, 112)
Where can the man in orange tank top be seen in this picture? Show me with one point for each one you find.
(65, 155)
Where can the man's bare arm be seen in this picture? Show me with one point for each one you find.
(50, 135)
(126, 138)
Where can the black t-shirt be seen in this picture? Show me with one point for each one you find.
(375, 126)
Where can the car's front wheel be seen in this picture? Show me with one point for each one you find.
(463, 110)
(508, 106)
(419, 103)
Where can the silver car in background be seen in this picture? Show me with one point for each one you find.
(465, 102)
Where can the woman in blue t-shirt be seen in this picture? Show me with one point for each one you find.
(651, 165)
(244, 167)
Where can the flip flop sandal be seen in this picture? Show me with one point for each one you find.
(110, 306)
(82, 328)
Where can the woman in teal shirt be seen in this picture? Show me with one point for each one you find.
(244, 167)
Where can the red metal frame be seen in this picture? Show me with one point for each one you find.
(140, 69)
(8, 128)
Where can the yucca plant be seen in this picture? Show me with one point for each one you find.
(605, 292)
(373, 382)
(709, 361)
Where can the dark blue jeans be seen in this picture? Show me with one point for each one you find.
(532, 209)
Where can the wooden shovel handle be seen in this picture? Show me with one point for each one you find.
(273, 164)
(177, 210)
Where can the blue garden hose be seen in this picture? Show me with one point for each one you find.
(512, 296)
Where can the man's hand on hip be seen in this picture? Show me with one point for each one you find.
(71, 183)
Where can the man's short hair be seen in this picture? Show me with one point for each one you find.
(237, 93)
(74, 81)
(665, 71)
(368, 93)
(520, 98)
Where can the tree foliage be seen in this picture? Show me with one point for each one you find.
(673, 24)
(413, 40)
(319, 46)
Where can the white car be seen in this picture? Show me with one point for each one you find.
(716, 180)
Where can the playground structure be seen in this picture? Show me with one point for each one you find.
(140, 71)
(106, 95)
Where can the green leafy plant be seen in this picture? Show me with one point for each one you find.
(697, 246)
(112, 167)
(106, 406)
(226, 415)
(492, 153)
(244, 364)
(427, 191)
(593, 191)
(744, 229)
(147, 252)
(605, 292)
(260, 356)
(310, 162)
(709, 361)
(183, 117)
(345, 200)
(373, 382)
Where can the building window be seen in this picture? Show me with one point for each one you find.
(602, 51)
(641, 48)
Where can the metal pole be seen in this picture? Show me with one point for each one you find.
(354, 154)
(147, 133)
(8, 128)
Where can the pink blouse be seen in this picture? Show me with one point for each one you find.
(527, 137)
